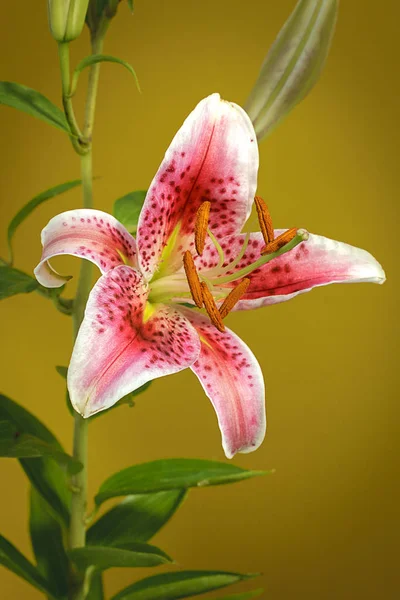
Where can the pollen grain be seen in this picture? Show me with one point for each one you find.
(201, 225)
(211, 308)
(279, 242)
(193, 278)
(233, 297)
(265, 220)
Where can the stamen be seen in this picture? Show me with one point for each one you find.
(193, 279)
(265, 220)
(279, 242)
(230, 266)
(211, 308)
(233, 297)
(218, 248)
(201, 225)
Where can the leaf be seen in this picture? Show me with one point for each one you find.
(132, 555)
(47, 543)
(244, 595)
(32, 103)
(13, 281)
(130, 4)
(135, 518)
(93, 59)
(48, 478)
(14, 444)
(34, 203)
(293, 64)
(16, 562)
(63, 371)
(96, 591)
(170, 474)
(172, 586)
(127, 209)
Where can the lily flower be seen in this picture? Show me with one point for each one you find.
(143, 317)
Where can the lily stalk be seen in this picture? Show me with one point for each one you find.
(82, 144)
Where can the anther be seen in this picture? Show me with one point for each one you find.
(233, 297)
(265, 220)
(279, 242)
(201, 225)
(193, 278)
(211, 308)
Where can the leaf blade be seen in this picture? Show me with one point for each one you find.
(13, 282)
(32, 103)
(127, 209)
(131, 555)
(136, 518)
(12, 559)
(47, 545)
(32, 205)
(93, 59)
(172, 586)
(170, 474)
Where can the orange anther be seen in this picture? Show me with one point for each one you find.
(233, 297)
(265, 220)
(211, 308)
(279, 242)
(201, 225)
(193, 278)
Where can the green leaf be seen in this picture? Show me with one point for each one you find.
(127, 209)
(48, 478)
(170, 474)
(47, 544)
(32, 103)
(243, 596)
(96, 591)
(93, 59)
(13, 281)
(135, 518)
(14, 444)
(34, 203)
(293, 64)
(131, 555)
(63, 371)
(172, 586)
(130, 4)
(16, 562)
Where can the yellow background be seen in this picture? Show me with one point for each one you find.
(325, 526)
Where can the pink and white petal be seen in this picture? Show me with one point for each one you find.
(232, 379)
(116, 351)
(214, 156)
(87, 233)
(315, 262)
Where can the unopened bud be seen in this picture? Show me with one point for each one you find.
(293, 64)
(66, 18)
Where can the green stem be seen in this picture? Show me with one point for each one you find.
(97, 47)
(63, 55)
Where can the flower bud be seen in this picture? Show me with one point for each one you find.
(66, 18)
(293, 64)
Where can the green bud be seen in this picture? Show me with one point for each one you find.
(66, 18)
(293, 64)
(100, 12)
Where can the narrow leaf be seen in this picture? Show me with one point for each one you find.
(16, 562)
(135, 518)
(293, 64)
(132, 555)
(32, 103)
(93, 59)
(130, 4)
(244, 595)
(13, 281)
(172, 586)
(96, 591)
(48, 478)
(34, 203)
(127, 209)
(170, 474)
(47, 544)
